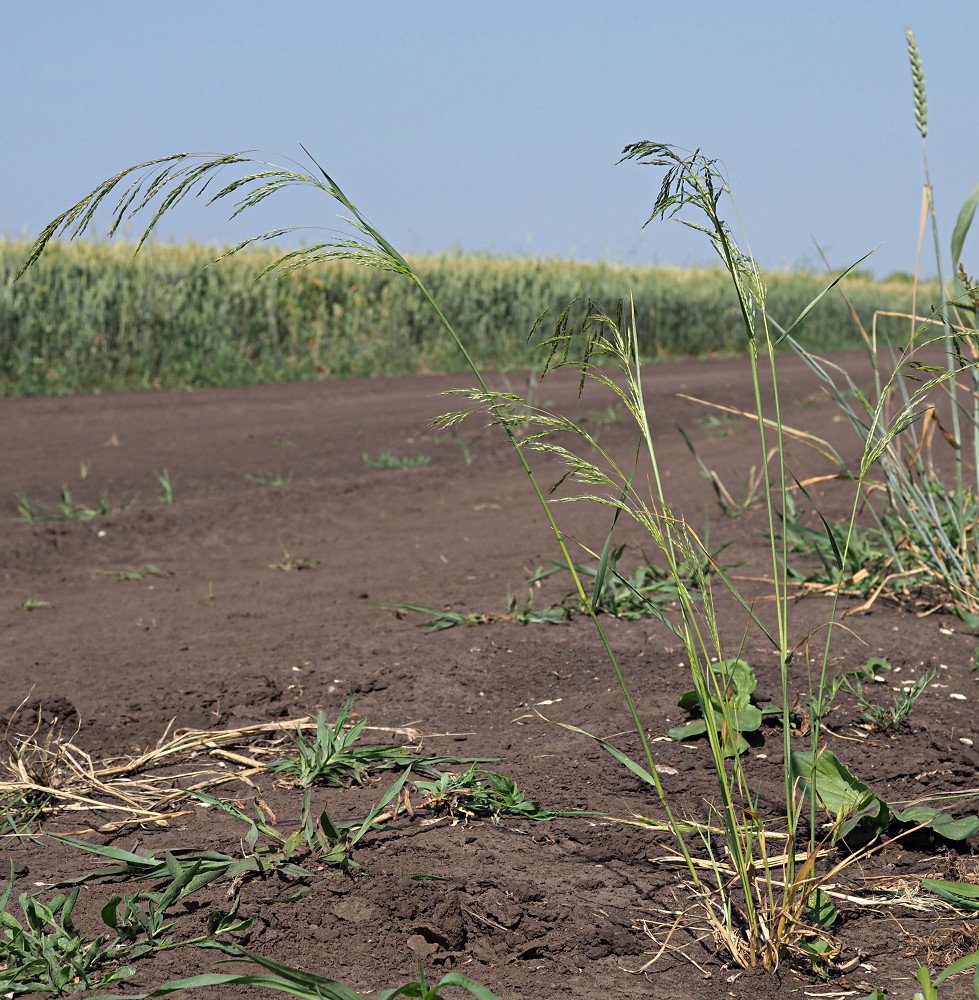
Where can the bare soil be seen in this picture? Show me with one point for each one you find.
(226, 631)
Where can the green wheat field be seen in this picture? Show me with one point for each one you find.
(92, 317)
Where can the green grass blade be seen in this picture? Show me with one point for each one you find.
(464, 982)
(962, 224)
(812, 305)
(830, 533)
(324, 989)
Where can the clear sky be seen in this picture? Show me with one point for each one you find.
(496, 126)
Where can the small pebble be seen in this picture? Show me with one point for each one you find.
(965, 740)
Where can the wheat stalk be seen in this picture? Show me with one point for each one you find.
(918, 79)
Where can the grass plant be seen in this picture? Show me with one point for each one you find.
(476, 793)
(385, 460)
(648, 591)
(67, 509)
(750, 490)
(168, 486)
(42, 951)
(757, 880)
(879, 717)
(332, 755)
(32, 604)
(925, 395)
(290, 562)
(275, 481)
(286, 979)
(439, 619)
(133, 575)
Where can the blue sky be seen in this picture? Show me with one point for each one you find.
(496, 126)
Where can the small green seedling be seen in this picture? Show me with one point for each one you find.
(718, 425)
(478, 793)
(443, 618)
(44, 952)
(167, 486)
(276, 481)
(132, 575)
(883, 718)
(602, 418)
(67, 509)
(289, 563)
(645, 593)
(331, 754)
(730, 505)
(21, 811)
(388, 461)
(465, 447)
(33, 603)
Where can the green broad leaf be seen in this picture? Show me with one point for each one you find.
(865, 824)
(875, 995)
(747, 719)
(732, 703)
(420, 989)
(968, 617)
(837, 789)
(820, 909)
(962, 223)
(108, 912)
(740, 675)
(962, 965)
(964, 895)
(860, 814)
(940, 822)
(735, 745)
(696, 728)
(689, 701)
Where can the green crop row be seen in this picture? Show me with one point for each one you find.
(94, 317)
